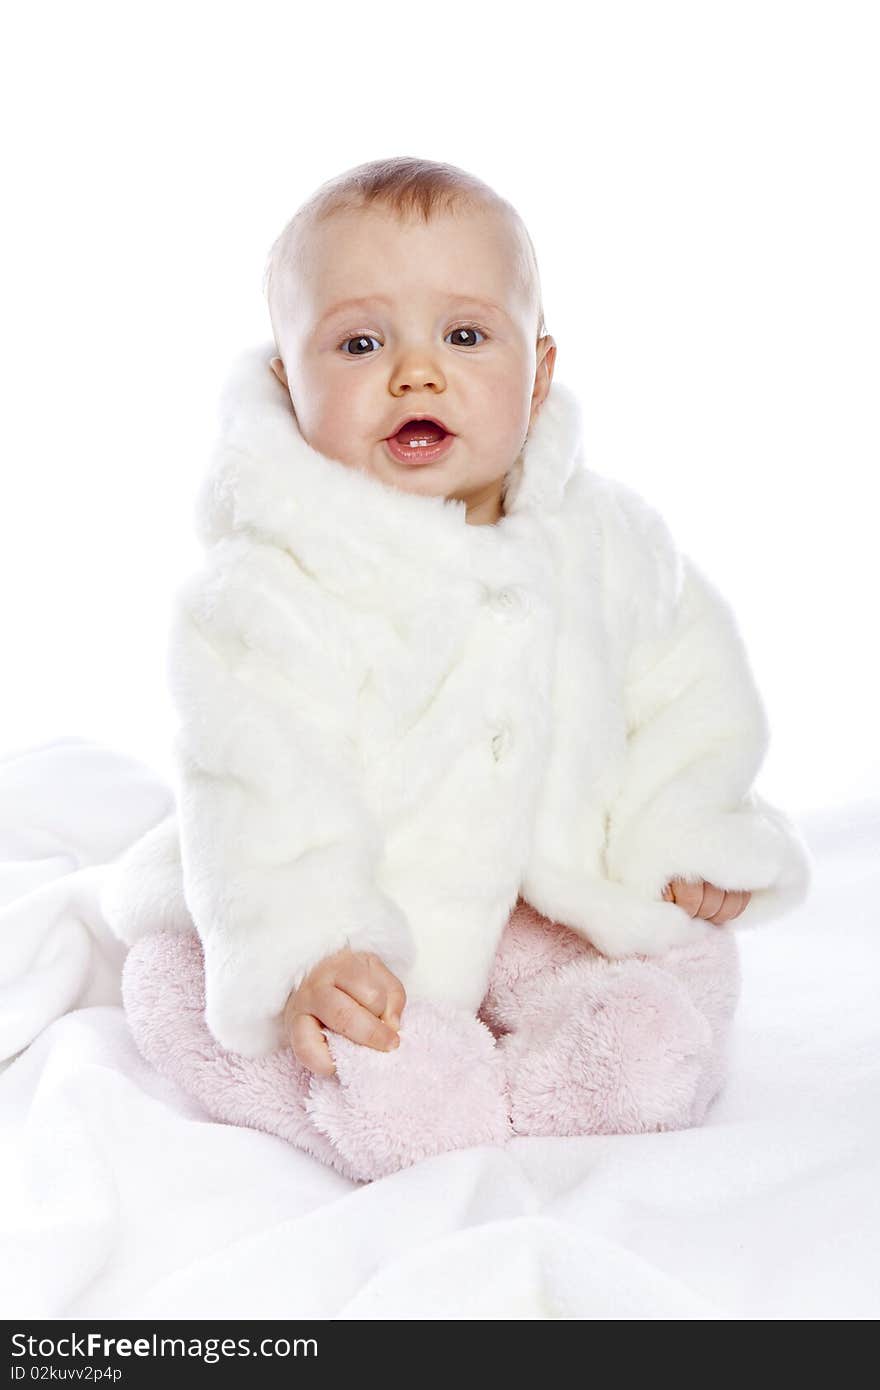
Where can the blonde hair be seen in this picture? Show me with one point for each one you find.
(407, 187)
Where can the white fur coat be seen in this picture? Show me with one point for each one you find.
(392, 723)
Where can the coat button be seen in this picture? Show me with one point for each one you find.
(507, 603)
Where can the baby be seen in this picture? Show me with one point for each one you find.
(467, 746)
(381, 319)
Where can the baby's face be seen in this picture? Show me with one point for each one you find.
(384, 319)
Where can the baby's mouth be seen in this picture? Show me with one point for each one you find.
(420, 434)
(420, 441)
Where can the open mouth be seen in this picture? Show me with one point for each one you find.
(420, 441)
(416, 434)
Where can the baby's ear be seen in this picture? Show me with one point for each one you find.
(279, 369)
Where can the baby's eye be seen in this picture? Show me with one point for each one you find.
(459, 332)
(360, 339)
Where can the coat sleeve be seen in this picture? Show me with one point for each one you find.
(279, 850)
(697, 735)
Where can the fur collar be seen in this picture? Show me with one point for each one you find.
(266, 481)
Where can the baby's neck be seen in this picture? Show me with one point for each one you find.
(485, 508)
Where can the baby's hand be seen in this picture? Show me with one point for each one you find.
(705, 900)
(351, 992)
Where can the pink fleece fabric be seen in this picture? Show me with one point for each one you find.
(566, 1042)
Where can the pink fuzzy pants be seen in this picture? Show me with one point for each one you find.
(566, 1042)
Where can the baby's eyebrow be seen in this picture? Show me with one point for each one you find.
(483, 303)
(361, 303)
(365, 301)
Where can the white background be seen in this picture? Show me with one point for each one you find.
(700, 181)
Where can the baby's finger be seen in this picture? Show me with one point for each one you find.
(393, 990)
(712, 903)
(310, 1045)
(345, 1015)
(364, 977)
(395, 1002)
(687, 895)
(731, 907)
(371, 983)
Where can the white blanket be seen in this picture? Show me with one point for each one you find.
(119, 1198)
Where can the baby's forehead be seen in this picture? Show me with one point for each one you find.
(383, 228)
(347, 250)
